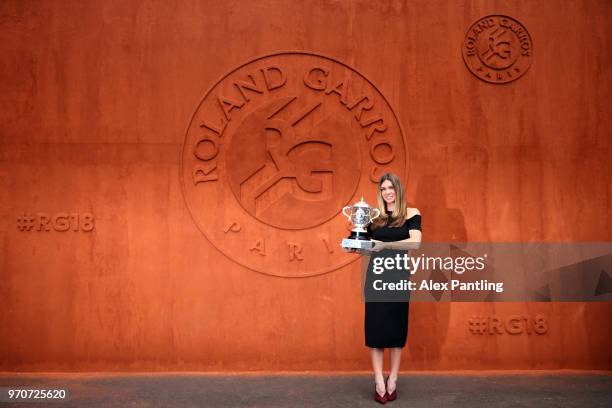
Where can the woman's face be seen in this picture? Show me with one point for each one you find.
(388, 192)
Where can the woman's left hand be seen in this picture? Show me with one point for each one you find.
(378, 246)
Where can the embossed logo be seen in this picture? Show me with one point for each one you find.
(497, 49)
(273, 152)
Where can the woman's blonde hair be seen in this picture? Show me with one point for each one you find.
(398, 216)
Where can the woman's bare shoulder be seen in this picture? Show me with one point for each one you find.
(411, 212)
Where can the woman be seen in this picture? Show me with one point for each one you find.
(386, 323)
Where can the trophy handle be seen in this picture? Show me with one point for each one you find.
(345, 214)
(377, 214)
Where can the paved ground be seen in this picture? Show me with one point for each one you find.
(526, 389)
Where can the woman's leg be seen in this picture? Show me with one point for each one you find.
(377, 364)
(395, 355)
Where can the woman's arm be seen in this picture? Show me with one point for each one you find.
(414, 242)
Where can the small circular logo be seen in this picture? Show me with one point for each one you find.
(497, 49)
(273, 153)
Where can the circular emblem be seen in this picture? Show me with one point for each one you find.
(276, 149)
(497, 49)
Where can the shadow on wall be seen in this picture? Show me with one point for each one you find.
(428, 327)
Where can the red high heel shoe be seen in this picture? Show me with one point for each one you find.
(378, 398)
(393, 395)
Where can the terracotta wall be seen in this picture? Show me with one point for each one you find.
(97, 146)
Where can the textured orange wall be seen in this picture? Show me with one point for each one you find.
(95, 100)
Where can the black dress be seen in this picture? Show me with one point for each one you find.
(386, 323)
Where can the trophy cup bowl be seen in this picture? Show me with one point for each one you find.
(360, 215)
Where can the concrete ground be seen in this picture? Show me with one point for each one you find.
(488, 389)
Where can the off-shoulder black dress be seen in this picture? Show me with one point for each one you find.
(386, 323)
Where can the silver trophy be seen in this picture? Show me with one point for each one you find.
(361, 215)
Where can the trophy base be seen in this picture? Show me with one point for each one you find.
(361, 245)
(359, 235)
